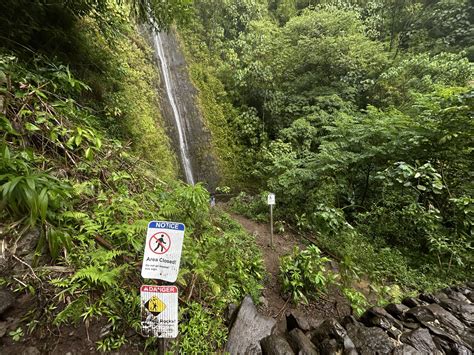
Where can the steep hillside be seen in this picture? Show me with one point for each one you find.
(86, 163)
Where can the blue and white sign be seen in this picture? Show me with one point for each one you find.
(163, 246)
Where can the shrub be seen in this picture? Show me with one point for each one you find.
(303, 273)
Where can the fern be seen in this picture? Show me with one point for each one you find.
(72, 312)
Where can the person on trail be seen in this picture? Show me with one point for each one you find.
(160, 244)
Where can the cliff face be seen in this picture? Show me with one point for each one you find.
(192, 131)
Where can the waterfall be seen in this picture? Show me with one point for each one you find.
(179, 122)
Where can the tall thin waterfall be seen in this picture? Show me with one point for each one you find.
(180, 125)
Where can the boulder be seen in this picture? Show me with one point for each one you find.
(462, 289)
(461, 310)
(333, 335)
(301, 344)
(248, 329)
(275, 345)
(450, 347)
(456, 296)
(280, 327)
(294, 319)
(413, 302)
(421, 340)
(397, 310)
(405, 349)
(7, 299)
(441, 322)
(368, 340)
(379, 317)
(428, 297)
(330, 346)
(411, 325)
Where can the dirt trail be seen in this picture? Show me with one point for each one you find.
(274, 304)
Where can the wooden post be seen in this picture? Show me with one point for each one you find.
(161, 346)
(271, 225)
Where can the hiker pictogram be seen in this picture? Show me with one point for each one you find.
(160, 243)
(155, 306)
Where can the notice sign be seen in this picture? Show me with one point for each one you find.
(163, 245)
(159, 310)
(271, 199)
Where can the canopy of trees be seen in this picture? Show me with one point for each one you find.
(359, 116)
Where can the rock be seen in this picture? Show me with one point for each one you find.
(248, 329)
(441, 296)
(330, 346)
(280, 328)
(462, 289)
(330, 329)
(379, 317)
(301, 344)
(3, 328)
(394, 333)
(275, 345)
(463, 311)
(263, 301)
(411, 325)
(441, 322)
(450, 347)
(405, 349)
(367, 340)
(7, 300)
(397, 310)
(295, 319)
(456, 296)
(428, 297)
(421, 340)
(229, 314)
(412, 302)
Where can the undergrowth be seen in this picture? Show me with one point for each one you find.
(90, 197)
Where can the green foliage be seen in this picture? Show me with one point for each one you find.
(254, 207)
(16, 334)
(303, 273)
(421, 73)
(240, 277)
(202, 331)
(357, 300)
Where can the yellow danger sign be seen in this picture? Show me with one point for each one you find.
(155, 305)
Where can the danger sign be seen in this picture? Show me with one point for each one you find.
(159, 311)
(164, 242)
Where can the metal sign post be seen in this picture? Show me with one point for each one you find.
(271, 202)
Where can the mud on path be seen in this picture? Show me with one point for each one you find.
(274, 304)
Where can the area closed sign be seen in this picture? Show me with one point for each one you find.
(159, 309)
(163, 245)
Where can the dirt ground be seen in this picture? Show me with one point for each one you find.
(274, 304)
